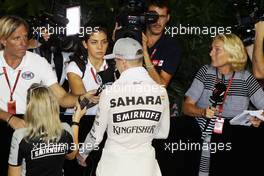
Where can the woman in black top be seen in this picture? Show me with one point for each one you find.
(45, 142)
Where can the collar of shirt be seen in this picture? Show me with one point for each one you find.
(156, 45)
(90, 65)
(134, 74)
(20, 66)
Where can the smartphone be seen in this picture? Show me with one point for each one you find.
(84, 102)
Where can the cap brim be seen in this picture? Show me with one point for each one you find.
(109, 56)
(113, 56)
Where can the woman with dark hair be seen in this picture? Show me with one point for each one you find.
(45, 143)
(82, 71)
(87, 62)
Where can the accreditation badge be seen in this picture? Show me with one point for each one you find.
(11, 107)
(219, 124)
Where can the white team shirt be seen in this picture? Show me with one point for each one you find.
(34, 69)
(88, 81)
(133, 110)
(134, 91)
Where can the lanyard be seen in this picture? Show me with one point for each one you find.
(153, 53)
(93, 74)
(8, 82)
(229, 85)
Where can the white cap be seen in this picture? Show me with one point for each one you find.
(126, 48)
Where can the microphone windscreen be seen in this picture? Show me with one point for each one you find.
(218, 93)
(106, 76)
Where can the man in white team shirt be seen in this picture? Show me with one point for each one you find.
(19, 69)
(134, 110)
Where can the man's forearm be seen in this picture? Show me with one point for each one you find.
(193, 111)
(152, 71)
(258, 57)
(65, 99)
(155, 75)
(258, 60)
(68, 100)
(4, 115)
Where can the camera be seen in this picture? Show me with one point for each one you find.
(51, 24)
(62, 25)
(247, 14)
(133, 19)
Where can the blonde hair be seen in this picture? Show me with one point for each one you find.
(8, 25)
(42, 114)
(236, 50)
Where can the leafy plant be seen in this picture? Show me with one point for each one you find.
(202, 14)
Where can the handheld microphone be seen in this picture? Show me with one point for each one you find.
(106, 77)
(218, 93)
(85, 103)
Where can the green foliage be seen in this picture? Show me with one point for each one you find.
(22, 8)
(201, 13)
(195, 53)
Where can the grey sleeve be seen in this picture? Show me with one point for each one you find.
(258, 99)
(196, 90)
(197, 86)
(15, 155)
(255, 92)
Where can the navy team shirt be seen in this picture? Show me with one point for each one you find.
(165, 54)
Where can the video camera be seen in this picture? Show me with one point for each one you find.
(45, 24)
(247, 14)
(58, 25)
(133, 19)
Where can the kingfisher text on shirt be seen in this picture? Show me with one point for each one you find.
(133, 129)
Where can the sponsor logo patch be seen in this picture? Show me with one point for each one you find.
(136, 115)
(28, 75)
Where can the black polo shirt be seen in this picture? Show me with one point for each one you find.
(165, 54)
(43, 159)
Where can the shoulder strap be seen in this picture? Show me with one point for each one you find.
(80, 58)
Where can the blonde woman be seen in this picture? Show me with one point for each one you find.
(45, 142)
(228, 61)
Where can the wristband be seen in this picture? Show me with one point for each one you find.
(149, 66)
(9, 118)
(75, 123)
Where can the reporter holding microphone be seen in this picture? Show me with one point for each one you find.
(228, 61)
